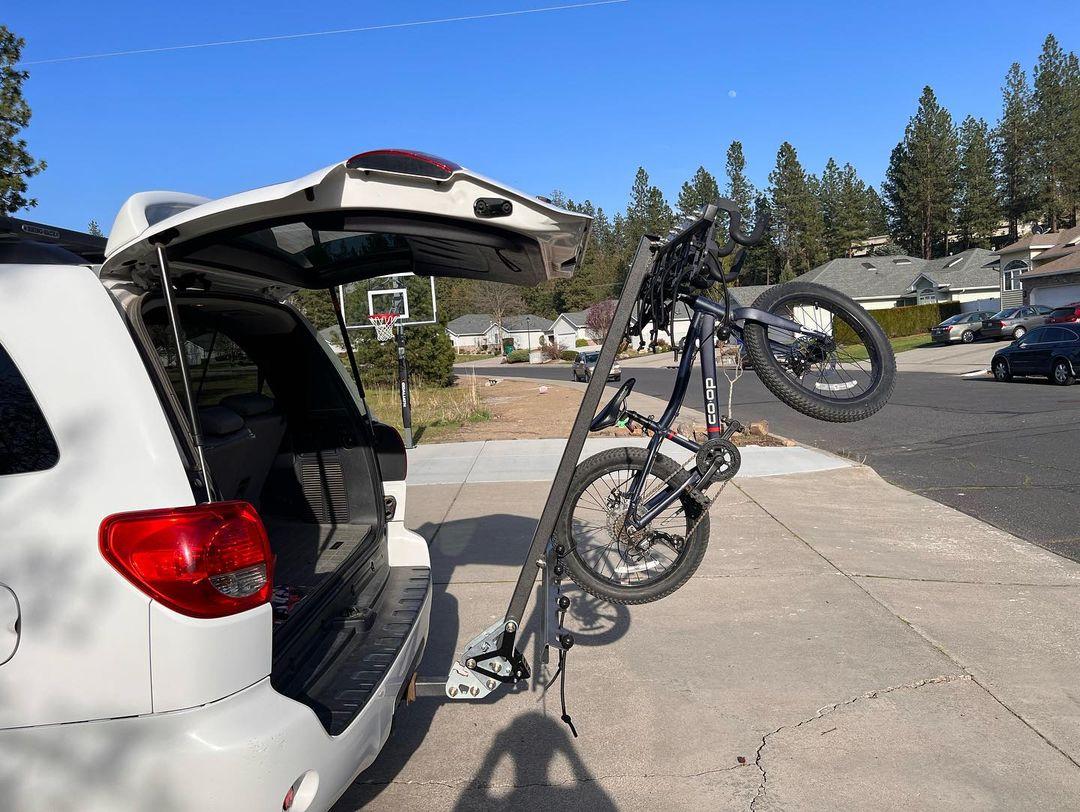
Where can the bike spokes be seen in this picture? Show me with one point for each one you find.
(833, 357)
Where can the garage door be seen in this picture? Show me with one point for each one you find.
(1055, 296)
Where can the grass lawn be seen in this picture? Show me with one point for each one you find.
(899, 344)
(435, 410)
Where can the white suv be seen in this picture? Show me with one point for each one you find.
(208, 598)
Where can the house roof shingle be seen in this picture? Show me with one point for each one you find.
(869, 277)
(475, 324)
(576, 318)
(471, 324)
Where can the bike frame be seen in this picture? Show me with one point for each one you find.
(699, 339)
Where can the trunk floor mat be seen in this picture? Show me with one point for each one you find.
(307, 552)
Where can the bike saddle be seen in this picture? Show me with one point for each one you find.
(610, 414)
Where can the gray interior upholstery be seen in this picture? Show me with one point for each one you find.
(226, 444)
(267, 426)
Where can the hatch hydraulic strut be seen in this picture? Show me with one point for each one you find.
(202, 471)
(492, 658)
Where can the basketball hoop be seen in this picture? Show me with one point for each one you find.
(384, 324)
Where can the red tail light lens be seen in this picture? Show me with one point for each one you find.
(208, 560)
(404, 162)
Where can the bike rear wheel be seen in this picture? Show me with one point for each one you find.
(607, 558)
(846, 376)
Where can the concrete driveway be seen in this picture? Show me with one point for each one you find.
(949, 359)
(845, 644)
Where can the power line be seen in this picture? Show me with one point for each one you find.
(361, 29)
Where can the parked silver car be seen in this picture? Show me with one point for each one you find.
(1014, 322)
(965, 327)
(585, 363)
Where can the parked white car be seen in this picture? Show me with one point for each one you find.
(220, 610)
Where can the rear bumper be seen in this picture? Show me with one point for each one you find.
(943, 338)
(241, 752)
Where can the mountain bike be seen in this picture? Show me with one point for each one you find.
(635, 522)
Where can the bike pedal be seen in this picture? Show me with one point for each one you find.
(699, 497)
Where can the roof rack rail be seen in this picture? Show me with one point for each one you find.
(86, 246)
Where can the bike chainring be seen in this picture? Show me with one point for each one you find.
(718, 460)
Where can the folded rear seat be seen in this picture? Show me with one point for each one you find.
(227, 446)
(267, 425)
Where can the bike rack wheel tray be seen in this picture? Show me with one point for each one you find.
(492, 659)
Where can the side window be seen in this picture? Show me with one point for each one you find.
(1036, 336)
(26, 442)
(1058, 334)
(217, 365)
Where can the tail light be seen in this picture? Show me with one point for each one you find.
(208, 560)
(403, 162)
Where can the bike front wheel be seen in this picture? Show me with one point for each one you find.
(607, 557)
(839, 368)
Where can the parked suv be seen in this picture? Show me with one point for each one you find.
(208, 597)
(964, 327)
(1014, 322)
(1064, 315)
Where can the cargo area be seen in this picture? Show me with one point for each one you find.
(285, 430)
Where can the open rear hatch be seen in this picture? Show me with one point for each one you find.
(380, 212)
(261, 388)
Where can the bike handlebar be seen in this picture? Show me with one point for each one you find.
(689, 260)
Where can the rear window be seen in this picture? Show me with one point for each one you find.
(1062, 311)
(26, 442)
(1005, 314)
(217, 365)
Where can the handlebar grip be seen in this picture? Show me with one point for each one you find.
(761, 224)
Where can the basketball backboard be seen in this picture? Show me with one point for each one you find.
(409, 295)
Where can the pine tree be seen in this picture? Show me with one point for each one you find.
(1072, 151)
(977, 210)
(16, 162)
(698, 192)
(846, 208)
(94, 230)
(920, 183)
(739, 188)
(797, 222)
(1051, 119)
(1014, 150)
(647, 213)
(877, 219)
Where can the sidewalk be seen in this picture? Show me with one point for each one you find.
(537, 460)
(845, 644)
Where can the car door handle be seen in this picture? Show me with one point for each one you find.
(10, 624)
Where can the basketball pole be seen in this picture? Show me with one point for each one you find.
(403, 385)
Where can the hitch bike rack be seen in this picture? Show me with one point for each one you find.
(492, 659)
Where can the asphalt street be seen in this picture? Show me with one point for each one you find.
(1008, 454)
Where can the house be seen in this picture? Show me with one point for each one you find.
(526, 331)
(473, 332)
(1042, 269)
(478, 332)
(970, 278)
(568, 328)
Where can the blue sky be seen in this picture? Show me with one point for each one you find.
(572, 99)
